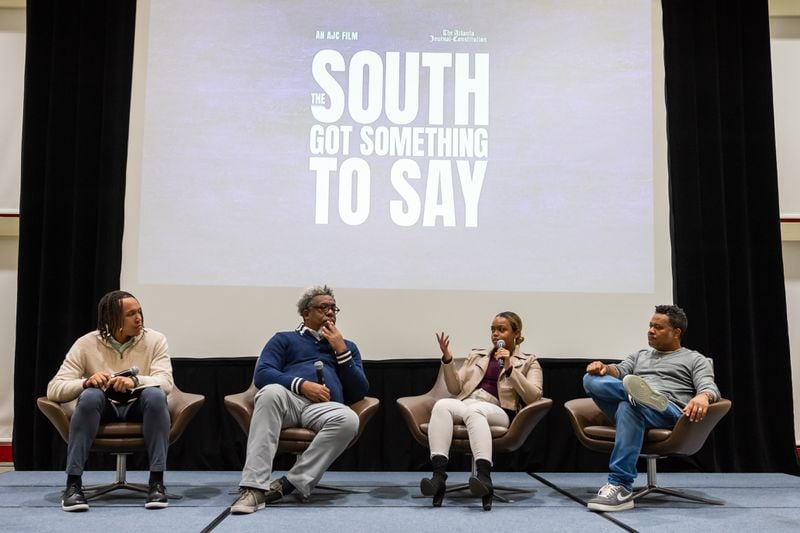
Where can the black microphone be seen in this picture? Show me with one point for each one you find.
(127, 373)
(124, 396)
(500, 344)
(320, 375)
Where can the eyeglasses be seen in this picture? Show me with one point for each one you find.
(324, 308)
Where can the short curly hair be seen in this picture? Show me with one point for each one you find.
(305, 300)
(676, 315)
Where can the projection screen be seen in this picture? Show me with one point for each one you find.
(434, 162)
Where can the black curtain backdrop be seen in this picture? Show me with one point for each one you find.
(726, 245)
(74, 149)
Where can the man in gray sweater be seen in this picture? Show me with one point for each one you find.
(648, 389)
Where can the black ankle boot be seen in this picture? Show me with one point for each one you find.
(435, 485)
(481, 483)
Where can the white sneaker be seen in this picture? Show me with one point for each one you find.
(640, 392)
(611, 498)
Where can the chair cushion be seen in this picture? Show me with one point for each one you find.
(657, 435)
(119, 430)
(297, 434)
(608, 433)
(460, 431)
(600, 432)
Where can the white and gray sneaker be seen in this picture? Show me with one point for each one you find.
(611, 498)
(640, 392)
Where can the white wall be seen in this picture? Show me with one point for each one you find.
(12, 57)
(791, 268)
(8, 300)
(12, 39)
(785, 44)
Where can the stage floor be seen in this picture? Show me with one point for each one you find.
(389, 502)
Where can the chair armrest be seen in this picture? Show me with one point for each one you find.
(365, 408)
(182, 406)
(688, 437)
(416, 410)
(582, 413)
(241, 406)
(586, 413)
(56, 414)
(522, 425)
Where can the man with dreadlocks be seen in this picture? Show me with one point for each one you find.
(119, 343)
(292, 394)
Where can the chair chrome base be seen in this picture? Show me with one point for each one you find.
(95, 491)
(496, 496)
(338, 490)
(652, 486)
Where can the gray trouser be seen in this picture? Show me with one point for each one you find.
(276, 407)
(93, 408)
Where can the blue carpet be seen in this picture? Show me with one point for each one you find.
(390, 502)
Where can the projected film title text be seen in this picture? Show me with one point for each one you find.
(433, 133)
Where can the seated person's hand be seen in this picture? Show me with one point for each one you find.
(121, 383)
(697, 408)
(444, 346)
(315, 392)
(503, 354)
(98, 380)
(334, 337)
(597, 368)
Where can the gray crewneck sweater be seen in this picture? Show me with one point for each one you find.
(680, 375)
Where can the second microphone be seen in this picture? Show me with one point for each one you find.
(320, 375)
(501, 362)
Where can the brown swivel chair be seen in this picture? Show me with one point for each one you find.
(595, 431)
(416, 411)
(123, 438)
(295, 440)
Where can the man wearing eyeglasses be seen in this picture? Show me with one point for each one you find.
(295, 393)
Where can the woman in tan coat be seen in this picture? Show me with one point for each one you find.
(491, 386)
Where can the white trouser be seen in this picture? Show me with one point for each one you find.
(476, 414)
(276, 408)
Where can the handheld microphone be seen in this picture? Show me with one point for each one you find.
(122, 397)
(500, 344)
(320, 375)
(127, 373)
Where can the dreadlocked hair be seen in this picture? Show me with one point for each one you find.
(109, 313)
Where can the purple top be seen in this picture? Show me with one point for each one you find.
(489, 381)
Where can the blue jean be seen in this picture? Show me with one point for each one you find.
(631, 422)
